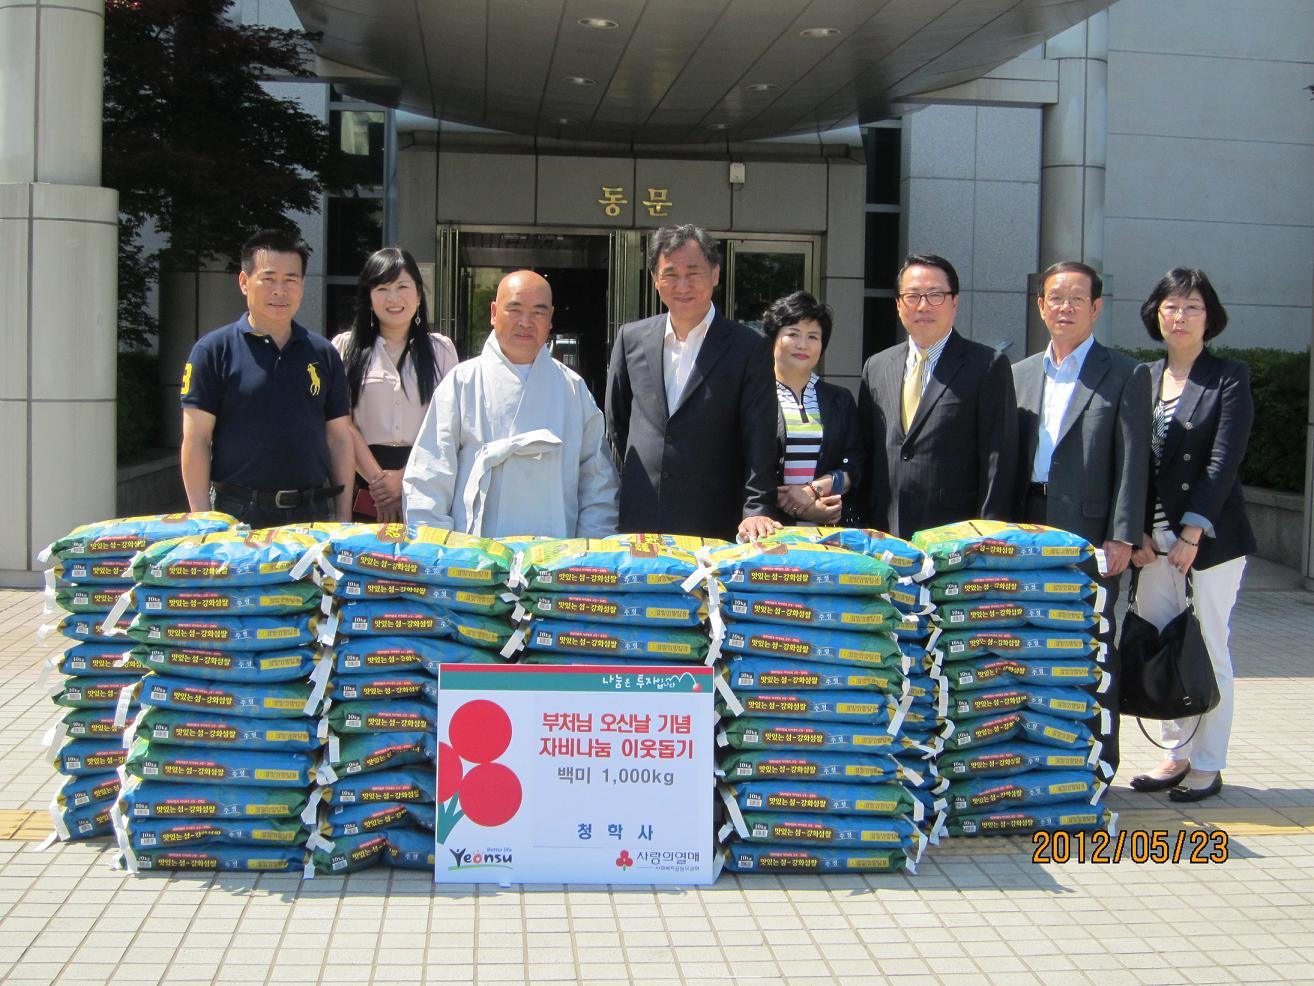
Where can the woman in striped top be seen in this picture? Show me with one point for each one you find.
(1198, 526)
(819, 445)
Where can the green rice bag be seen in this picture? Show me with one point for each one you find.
(771, 565)
(664, 609)
(229, 557)
(421, 554)
(994, 544)
(858, 613)
(590, 565)
(125, 536)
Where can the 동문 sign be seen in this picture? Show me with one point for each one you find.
(574, 774)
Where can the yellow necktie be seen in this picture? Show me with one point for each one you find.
(912, 387)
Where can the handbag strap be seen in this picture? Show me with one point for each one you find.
(1188, 739)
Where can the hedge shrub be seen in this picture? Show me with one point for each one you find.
(138, 423)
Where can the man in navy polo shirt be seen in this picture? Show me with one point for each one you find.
(266, 413)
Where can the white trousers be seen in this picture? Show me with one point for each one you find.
(1161, 595)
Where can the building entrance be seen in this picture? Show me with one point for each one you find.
(599, 281)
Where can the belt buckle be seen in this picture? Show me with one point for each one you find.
(294, 494)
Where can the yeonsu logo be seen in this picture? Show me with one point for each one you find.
(464, 859)
(488, 793)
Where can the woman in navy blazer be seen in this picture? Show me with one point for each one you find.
(819, 452)
(1196, 517)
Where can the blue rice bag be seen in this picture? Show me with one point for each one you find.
(597, 565)
(115, 572)
(770, 673)
(84, 724)
(232, 600)
(228, 558)
(340, 820)
(361, 655)
(1068, 816)
(88, 822)
(397, 715)
(1065, 703)
(866, 708)
(553, 659)
(156, 761)
(421, 554)
(648, 642)
(227, 665)
(772, 565)
(1035, 787)
(913, 626)
(244, 633)
(820, 765)
(749, 857)
(398, 784)
(1020, 642)
(813, 644)
(83, 757)
(827, 797)
(474, 630)
(1009, 758)
(363, 752)
(391, 617)
(411, 848)
(86, 627)
(123, 537)
(803, 829)
(384, 685)
(994, 544)
(348, 854)
(766, 733)
(489, 600)
(979, 614)
(909, 598)
(216, 859)
(153, 833)
(93, 692)
(907, 560)
(165, 799)
(225, 731)
(651, 609)
(860, 613)
(689, 543)
(992, 672)
(99, 660)
(1047, 585)
(83, 598)
(1022, 723)
(265, 700)
(90, 789)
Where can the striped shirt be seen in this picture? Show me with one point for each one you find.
(802, 432)
(1163, 415)
(932, 357)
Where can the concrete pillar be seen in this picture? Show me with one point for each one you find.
(1307, 561)
(192, 303)
(58, 291)
(1073, 143)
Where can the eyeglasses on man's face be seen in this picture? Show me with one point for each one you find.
(1171, 312)
(911, 299)
(1057, 302)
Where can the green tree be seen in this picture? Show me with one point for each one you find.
(194, 143)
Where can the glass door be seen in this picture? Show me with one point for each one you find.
(759, 271)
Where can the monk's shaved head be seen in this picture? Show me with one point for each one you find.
(522, 315)
(523, 279)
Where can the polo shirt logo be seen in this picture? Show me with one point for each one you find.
(187, 379)
(314, 379)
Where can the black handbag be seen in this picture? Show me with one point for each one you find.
(1166, 674)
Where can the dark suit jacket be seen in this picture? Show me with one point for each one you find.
(1202, 456)
(1100, 468)
(841, 445)
(703, 466)
(958, 459)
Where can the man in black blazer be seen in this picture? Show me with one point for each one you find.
(1084, 440)
(938, 414)
(691, 405)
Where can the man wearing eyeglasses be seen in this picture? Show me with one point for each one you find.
(691, 405)
(1084, 435)
(938, 414)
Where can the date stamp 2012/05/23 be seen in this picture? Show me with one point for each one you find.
(1136, 845)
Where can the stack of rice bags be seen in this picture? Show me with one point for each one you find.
(404, 602)
(221, 757)
(1018, 622)
(89, 575)
(826, 723)
(615, 600)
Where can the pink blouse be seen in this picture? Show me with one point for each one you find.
(386, 414)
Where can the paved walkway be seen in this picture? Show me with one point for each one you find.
(978, 911)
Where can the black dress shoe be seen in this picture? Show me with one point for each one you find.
(1149, 782)
(1197, 793)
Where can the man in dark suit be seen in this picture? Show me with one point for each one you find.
(938, 414)
(1084, 437)
(691, 405)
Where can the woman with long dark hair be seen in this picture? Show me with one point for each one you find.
(393, 365)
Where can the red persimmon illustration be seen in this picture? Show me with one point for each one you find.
(449, 772)
(480, 731)
(490, 794)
